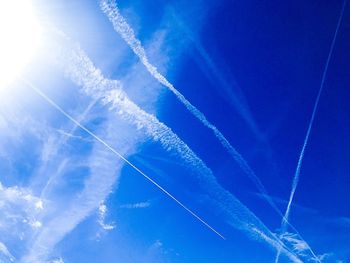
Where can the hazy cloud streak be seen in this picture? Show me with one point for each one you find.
(81, 70)
(127, 33)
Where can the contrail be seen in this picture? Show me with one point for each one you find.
(63, 139)
(238, 102)
(127, 33)
(113, 150)
(302, 152)
(78, 124)
(261, 233)
(79, 68)
(104, 173)
(235, 97)
(4, 250)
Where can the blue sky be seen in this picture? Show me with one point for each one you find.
(170, 131)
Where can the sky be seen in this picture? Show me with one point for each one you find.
(171, 131)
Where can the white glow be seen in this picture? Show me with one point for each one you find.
(19, 37)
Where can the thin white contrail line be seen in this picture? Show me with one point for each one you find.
(79, 68)
(127, 33)
(241, 108)
(62, 141)
(301, 156)
(237, 102)
(272, 241)
(52, 103)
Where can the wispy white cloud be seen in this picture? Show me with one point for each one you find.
(50, 151)
(20, 211)
(57, 260)
(18, 128)
(122, 27)
(104, 173)
(136, 205)
(81, 70)
(127, 33)
(69, 135)
(6, 253)
(90, 198)
(121, 156)
(55, 229)
(18, 205)
(330, 257)
(102, 177)
(102, 211)
(314, 216)
(298, 246)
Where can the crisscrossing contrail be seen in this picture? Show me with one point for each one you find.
(127, 33)
(314, 110)
(78, 124)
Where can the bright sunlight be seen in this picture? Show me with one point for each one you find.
(20, 34)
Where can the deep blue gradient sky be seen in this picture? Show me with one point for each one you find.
(253, 68)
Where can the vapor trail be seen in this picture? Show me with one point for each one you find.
(238, 102)
(63, 139)
(4, 250)
(104, 172)
(272, 240)
(127, 33)
(302, 152)
(232, 91)
(52, 103)
(79, 68)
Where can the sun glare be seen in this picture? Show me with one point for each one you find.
(19, 38)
